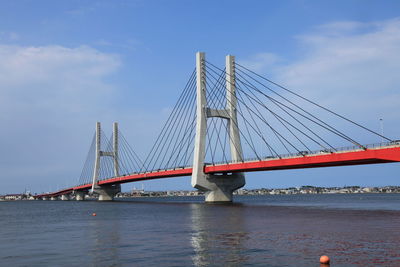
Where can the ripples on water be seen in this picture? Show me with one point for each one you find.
(354, 230)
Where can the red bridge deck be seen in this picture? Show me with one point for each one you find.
(385, 154)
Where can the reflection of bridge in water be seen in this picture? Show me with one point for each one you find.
(255, 234)
(223, 244)
(217, 112)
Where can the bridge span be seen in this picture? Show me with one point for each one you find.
(218, 110)
(378, 154)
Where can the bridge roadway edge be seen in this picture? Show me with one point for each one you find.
(369, 156)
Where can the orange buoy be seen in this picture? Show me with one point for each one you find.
(324, 259)
(94, 214)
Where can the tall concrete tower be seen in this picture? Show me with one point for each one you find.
(217, 188)
(106, 192)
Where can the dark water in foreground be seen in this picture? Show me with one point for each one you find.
(354, 230)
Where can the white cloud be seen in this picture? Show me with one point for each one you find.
(261, 61)
(350, 67)
(129, 44)
(48, 97)
(357, 70)
(37, 78)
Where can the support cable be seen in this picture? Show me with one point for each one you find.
(276, 133)
(248, 85)
(187, 116)
(312, 102)
(180, 158)
(160, 137)
(192, 136)
(135, 157)
(329, 128)
(217, 88)
(260, 133)
(279, 118)
(238, 128)
(182, 119)
(239, 111)
(188, 131)
(172, 130)
(218, 97)
(332, 129)
(88, 162)
(236, 123)
(337, 132)
(128, 162)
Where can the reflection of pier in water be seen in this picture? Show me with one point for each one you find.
(236, 235)
(218, 245)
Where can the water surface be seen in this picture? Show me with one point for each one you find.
(354, 230)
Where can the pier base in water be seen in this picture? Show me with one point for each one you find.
(107, 193)
(79, 196)
(220, 188)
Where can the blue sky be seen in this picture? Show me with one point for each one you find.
(66, 64)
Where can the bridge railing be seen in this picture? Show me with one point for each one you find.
(281, 156)
(314, 152)
(147, 171)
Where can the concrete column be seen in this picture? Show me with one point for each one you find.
(198, 176)
(45, 198)
(64, 197)
(218, 188)
(237, 179)
(79, 195)
(97, 160)
(115, 150)
(231, 103)
(53, 198)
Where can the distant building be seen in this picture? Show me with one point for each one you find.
(367, 189)
(14, 197)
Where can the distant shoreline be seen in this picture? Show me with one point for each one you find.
(172, 196)
(303, 190)
(265, 191)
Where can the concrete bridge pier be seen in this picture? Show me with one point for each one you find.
(79, 195)
(217, 188)
(107, 193)
(45, 198)
(54, 198)
(64, 197)
(220, 188)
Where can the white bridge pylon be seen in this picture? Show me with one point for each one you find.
(105, 192)
(217, 188)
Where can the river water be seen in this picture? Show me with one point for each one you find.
(354, 230)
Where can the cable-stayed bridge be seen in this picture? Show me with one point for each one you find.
(226, 122)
